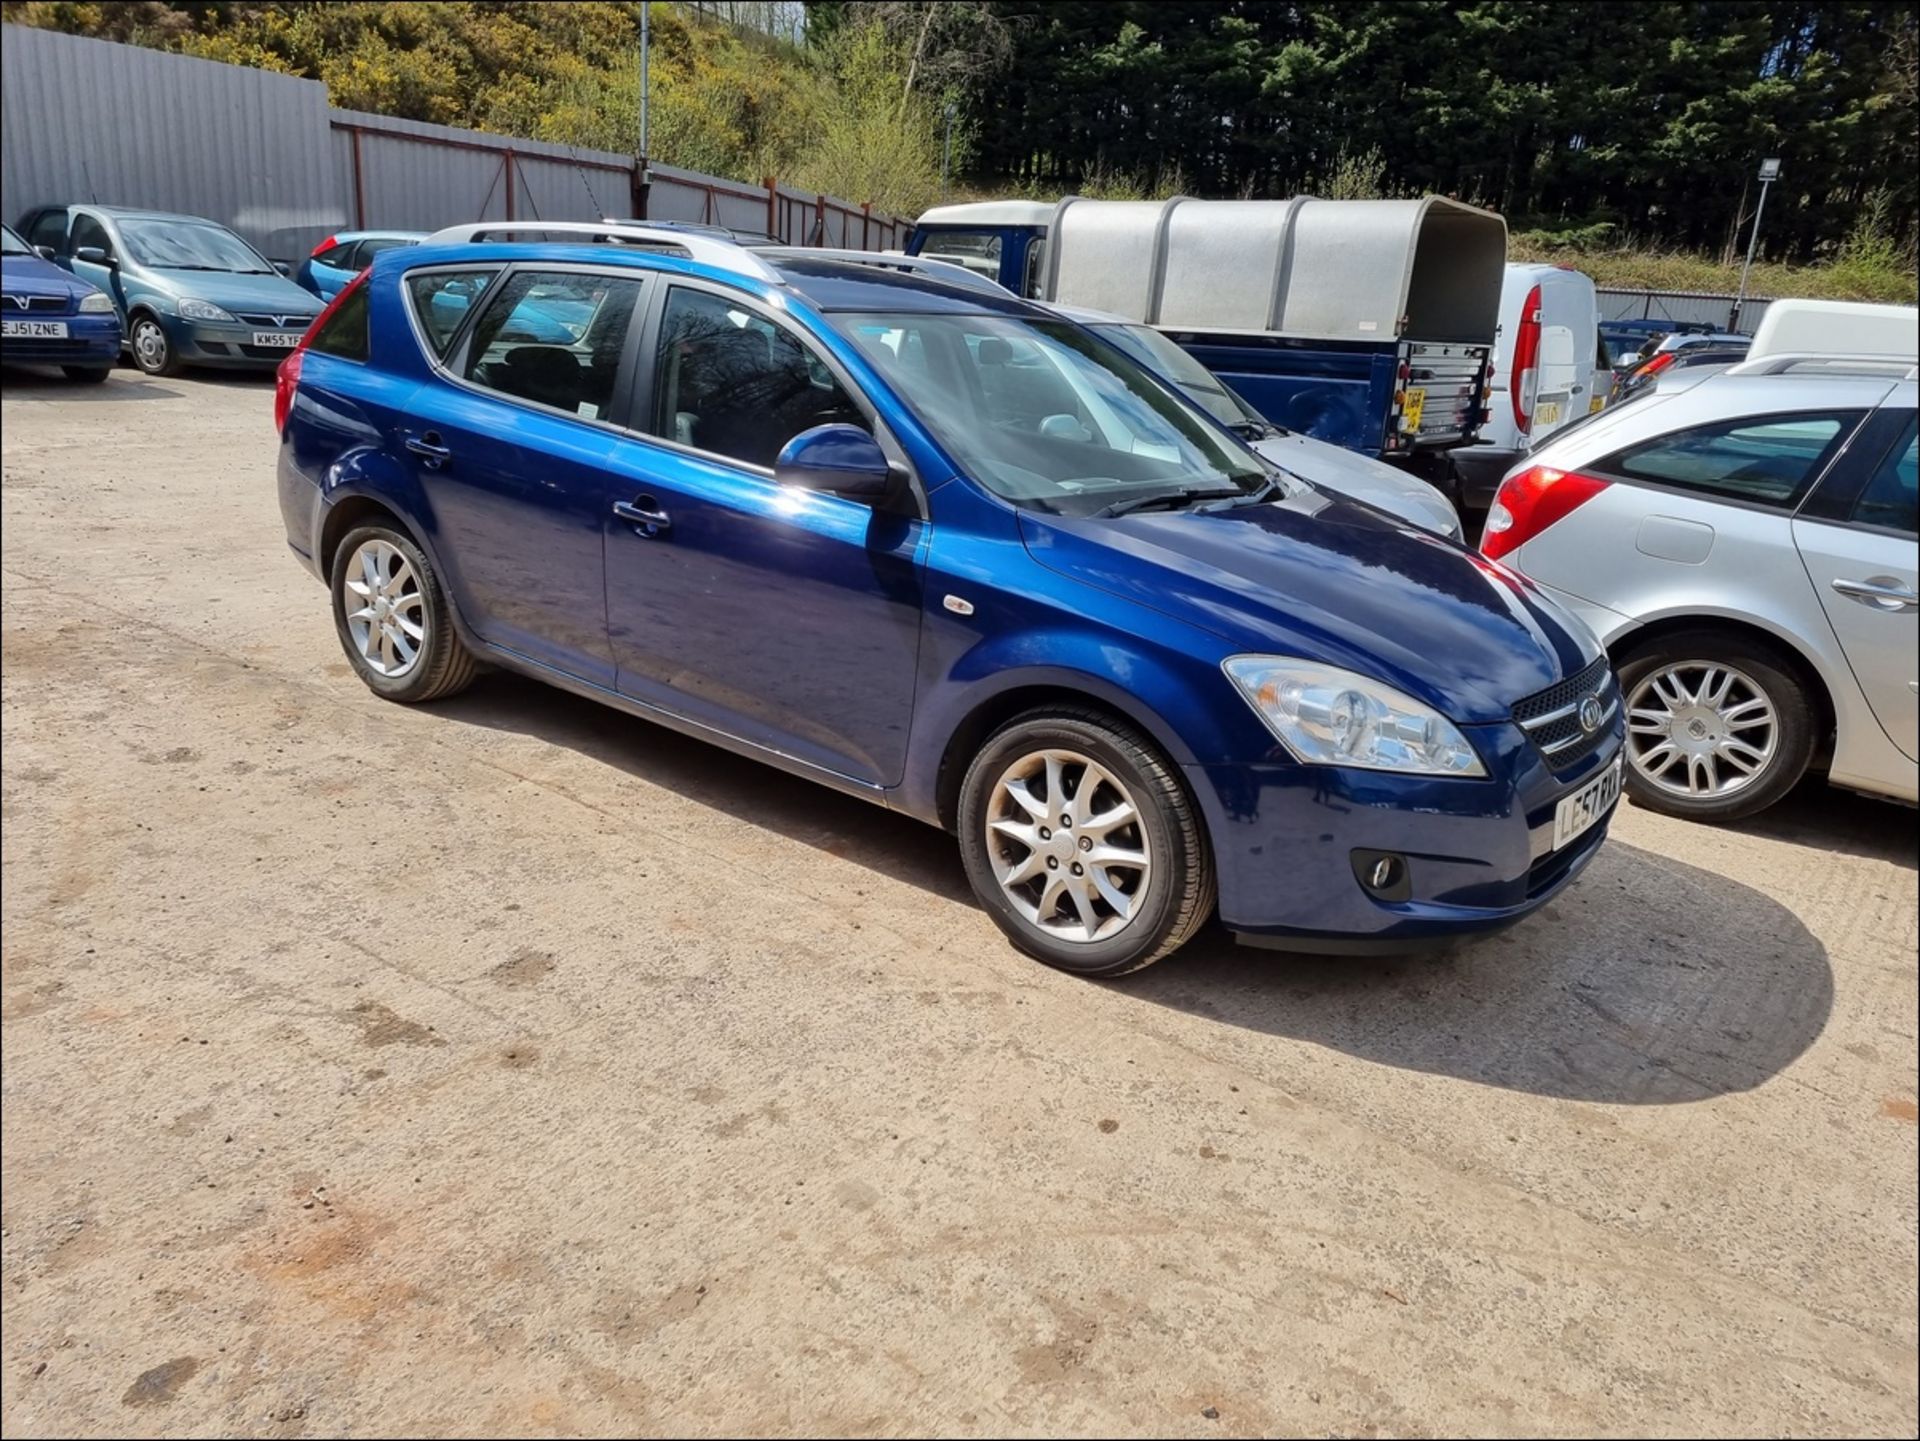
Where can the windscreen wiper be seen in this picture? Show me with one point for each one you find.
(1169, 498)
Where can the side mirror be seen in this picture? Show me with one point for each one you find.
(841, 459)
(283, 266)
(45, 252)
(93, 255)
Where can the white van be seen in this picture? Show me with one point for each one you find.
(1837, 327)
(1545, 373)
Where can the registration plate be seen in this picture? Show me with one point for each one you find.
(1410, 409)
(1596, 405)
(1548, 414)
(1577, 813)
(281, 339)
(34, 329)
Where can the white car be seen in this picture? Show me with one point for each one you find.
(1743, 543)
(1331, 467)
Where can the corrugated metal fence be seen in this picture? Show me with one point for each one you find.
(90, 120)
(1680, 305)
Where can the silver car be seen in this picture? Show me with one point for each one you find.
(1330, 467)
(1743, 543)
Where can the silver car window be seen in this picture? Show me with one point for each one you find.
(1762, 460)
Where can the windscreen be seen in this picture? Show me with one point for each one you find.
(1048, 416)
(1202, 386)
(11, 244)
(191, 245)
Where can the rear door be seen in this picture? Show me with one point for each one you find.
(515, 443)
(1857, 540)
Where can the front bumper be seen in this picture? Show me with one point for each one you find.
(1478, 853)
(91, 340)
(226, 346)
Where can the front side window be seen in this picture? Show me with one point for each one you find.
(1892, 497)
(88, 231)
(345, 333)
(188, 245)
(730, 381)
(441, 300)
(1763, 460)
(554, 338)
(1048, 416)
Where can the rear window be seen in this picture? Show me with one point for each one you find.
(1760, 460)
(344, 332)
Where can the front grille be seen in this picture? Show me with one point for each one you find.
(1551, 718)
(33, 304)
(274, 322)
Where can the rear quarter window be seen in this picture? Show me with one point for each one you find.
(344, 332)
(441, 300)
(1767, 460)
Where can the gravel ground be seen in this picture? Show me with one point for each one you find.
(513, 1066)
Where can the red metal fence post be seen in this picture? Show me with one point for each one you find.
(506, 163)
(773, 207)
(359, 182)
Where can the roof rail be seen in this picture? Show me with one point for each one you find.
(1833, 364)
(721, 253)
(926, 265)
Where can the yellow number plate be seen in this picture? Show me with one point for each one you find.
(1597, 403)
(1549, 413)
(1410, 411)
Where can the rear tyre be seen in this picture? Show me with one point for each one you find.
(86, 374)
(1719, 727)
(1082, 843)
(152, 351)
(393, 619)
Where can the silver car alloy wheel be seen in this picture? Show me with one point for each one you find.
(1068, 846)
(149, 344)
(1700, 729)
(389, 629)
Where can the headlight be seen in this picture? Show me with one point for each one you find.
(98, 303)
(1332, 717)
(203, 310)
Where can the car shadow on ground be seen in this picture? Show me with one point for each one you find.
(1825, 818)
(1650, 981)
(41, 382)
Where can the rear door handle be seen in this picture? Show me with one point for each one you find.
(1882, 592)
(645, 522)
(429, 449)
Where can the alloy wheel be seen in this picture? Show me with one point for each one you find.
(389, 629)
(1067, 846)
(1700, 729)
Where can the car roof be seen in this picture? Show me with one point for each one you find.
(830, 285)
(135, 212)
(414, 235)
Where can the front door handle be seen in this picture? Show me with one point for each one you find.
(1882, 592)
(646, 518)
(428, 447)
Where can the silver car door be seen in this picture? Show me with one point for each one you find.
(1865, 567)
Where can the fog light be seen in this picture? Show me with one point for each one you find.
(1384, 875)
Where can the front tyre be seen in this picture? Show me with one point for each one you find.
(393, 619)
(86, 374)
(152, 351)
(1082, 843)
(1719, 727)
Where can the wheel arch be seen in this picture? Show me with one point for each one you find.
(1791, 653)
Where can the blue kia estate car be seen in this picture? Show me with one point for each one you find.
(49, 318)
(934, 546)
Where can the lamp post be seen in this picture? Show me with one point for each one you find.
(1769, 172)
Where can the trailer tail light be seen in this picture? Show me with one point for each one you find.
(1530, 502)
(286, 376)
(1523, 376)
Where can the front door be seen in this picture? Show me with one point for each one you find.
(784, 617)
(514, 448)
(1866, 570)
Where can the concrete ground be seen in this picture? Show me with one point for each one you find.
(513, 1066)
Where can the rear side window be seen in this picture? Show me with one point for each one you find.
(1892, 497)
(367, 249)
(554, 338)
(344, 333)
(336, 257)
(49, 229)
(1761, 460)
(731, 382)
(441, 300)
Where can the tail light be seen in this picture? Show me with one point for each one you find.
(1530, 502)
(286, 376)
(1653, 367)
(1523, 376)
(325, 245)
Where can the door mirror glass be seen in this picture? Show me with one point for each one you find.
(93, 255)
(842, 459)
(45, 252)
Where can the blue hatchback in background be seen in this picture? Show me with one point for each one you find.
(189, 291)
(49, 318)
(338, 258)
(888, 527)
